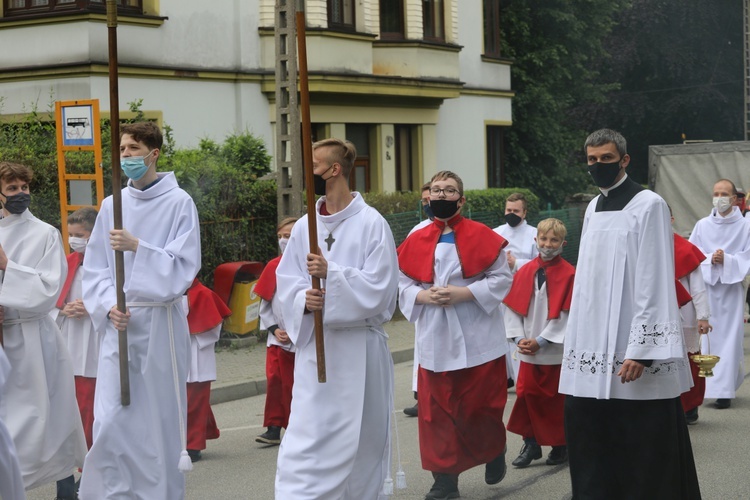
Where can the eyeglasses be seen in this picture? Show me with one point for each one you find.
(449, 192)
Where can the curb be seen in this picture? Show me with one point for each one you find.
(256, 387)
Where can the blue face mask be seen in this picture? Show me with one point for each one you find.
(135, 166)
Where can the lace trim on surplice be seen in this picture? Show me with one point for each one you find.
(597, 363)
(655, 335)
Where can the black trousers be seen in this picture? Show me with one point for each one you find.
(629, 449)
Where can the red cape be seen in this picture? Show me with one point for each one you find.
(687, 257)
(477, 245)
(205, 308)
(74, 262)
(560, 274)
(265, 288)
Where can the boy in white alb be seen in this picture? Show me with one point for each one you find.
(40, 382)
(74, 322)
(160, 241)
(536, 316)
(337, 442)
(11, 482)
(279, 348)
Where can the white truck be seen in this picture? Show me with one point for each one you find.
(684, 175)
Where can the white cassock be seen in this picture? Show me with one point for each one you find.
(79, 335)
(521, 242)
(694, 310)
(535, 324)
(466, 334)
(337, 442)
(725, 296)
(11, 482)
(136, 448)
(522, 245)
(625, 306)
(39, 407)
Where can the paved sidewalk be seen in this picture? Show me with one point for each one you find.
(241, 372)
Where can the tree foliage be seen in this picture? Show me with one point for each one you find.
(554, 45)
(679, 66)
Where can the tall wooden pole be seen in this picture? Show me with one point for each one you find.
(307, 165)
(114, 119)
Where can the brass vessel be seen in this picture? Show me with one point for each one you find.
(705, 362)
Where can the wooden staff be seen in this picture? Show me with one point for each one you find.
(307, 164)
(114, 119)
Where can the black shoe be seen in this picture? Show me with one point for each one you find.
(444, 488)
(511, 383)
(412, 411)
(722, 404)
(558, 455)
(529, 452)
(494, 471)
(271, 436)
(691, 416)
(195, 455)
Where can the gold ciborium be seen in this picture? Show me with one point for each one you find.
(705, 362)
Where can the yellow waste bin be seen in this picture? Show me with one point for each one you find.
(235, 283)
(245, 306)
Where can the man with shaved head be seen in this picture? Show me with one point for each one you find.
(724, 237)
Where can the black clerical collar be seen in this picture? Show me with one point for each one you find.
(151, 184)
(619, 196)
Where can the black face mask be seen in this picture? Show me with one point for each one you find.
(604, 174)
(513, 219)
(18, 203)
(428, 211)
(320, 183)
(444, 209)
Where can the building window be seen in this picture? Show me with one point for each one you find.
(495, 157)
(391, 19)
(433, 20)
(492, 28)
(43, 7)
(341, 14)
(359, 177)
(406, 167)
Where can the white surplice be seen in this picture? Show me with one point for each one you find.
(136, 448)
(337, 443)
(79, 334)
(522, 245)
(39, 407)
(725, 295)
(202, 367)
(534, 325)
(625, 306)
(11, 482)
(521, 242)
(694, 310)
(466, 334)
(271, 313)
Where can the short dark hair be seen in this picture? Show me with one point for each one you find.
(12, 171)
(517, 197)
(447, 174)
(606, 136)
(146, 132)
(85, 216)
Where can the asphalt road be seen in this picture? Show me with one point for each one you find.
(235, 467)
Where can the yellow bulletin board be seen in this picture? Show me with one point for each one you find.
(77, 129)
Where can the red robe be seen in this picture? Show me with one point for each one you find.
(687, 258)
(279, 361)
(539, 407)
(206, 310)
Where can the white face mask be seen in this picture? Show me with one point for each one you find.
(282, 244)
(722, 203)
(549, 253)
(78, 244)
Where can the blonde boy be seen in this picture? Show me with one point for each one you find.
(538, 305)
